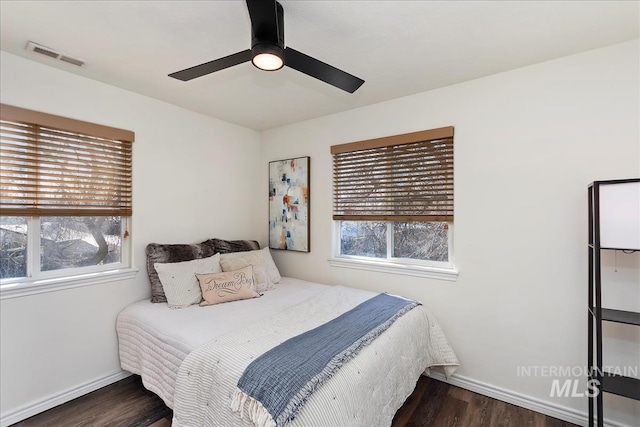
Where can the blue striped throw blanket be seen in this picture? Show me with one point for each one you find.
(274, 386)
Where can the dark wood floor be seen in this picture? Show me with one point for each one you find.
(433, 403)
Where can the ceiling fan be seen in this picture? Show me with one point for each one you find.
(269, 53)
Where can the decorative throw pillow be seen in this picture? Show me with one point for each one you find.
(228, 286)
(265, 259)
(270, 265)
(179, 280)
(260, 277)
(172, 253)
(229, 246)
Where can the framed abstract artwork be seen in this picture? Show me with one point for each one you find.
(289, 204)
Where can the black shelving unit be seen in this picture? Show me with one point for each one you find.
(604, 381)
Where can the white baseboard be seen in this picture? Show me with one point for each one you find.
(35, 408)
(528, 402)
(556, 411)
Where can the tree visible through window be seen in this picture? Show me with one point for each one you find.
(65, 242)
(65, 189)
(393, 197)
(421, 240)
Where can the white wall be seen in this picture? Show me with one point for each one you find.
(193, 178)
(527, 144)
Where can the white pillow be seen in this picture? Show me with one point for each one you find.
(270, 265)
(267, 261)
(261, 280)
(179, 279)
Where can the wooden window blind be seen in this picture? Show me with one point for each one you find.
(55, 166)
(405, 177)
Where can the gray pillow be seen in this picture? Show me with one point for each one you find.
(229, 246)
(172, 253)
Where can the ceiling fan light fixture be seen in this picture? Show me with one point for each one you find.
(267, 57)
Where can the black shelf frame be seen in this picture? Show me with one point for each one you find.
(605, 382)
(622, 386)
(621, 316)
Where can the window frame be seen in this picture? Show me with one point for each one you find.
(407, 266)
(37, 281)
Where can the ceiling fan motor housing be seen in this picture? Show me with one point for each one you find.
(267, 35)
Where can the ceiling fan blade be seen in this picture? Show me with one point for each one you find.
(321, 71)
(264, 20)
(212, 66)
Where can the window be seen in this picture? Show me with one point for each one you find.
(393, 200)
(65, 197)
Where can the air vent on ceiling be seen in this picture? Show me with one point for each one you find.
(52, 53)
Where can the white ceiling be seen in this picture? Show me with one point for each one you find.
(397, 47)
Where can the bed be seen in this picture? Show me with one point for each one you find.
(193, 357)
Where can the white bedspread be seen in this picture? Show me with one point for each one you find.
(154, 339)
(366, 391)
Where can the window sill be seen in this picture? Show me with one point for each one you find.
(39, 286)
(395, 268)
